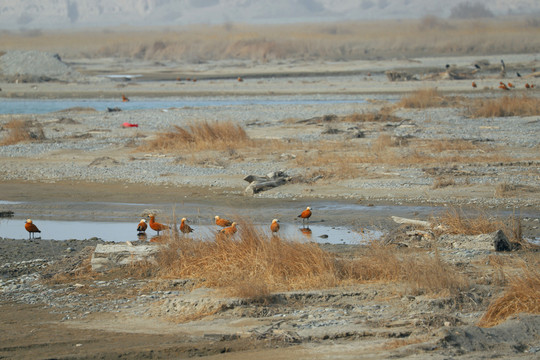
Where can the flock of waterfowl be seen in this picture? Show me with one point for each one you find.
(228, 226)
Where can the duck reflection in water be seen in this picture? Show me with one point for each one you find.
(306, 231)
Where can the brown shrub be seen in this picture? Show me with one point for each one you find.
(418, 271)
(521, 295)
(249, 263)
(441, 182)
(456, 221)
(423, 98)
(505, 106)
(22, 131)
(203, 135)
(253, 265)
(384, 115)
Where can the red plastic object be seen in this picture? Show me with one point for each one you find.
(126, 124)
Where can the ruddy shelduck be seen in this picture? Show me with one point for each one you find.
(222, 222)
(230, 230)
(31, 228)
(142, 226)
(274, 227)
(503, 86)
(185, 228)
(305, 215)
(473, 84)
(527, 86)
(155, 225)
(124, 98)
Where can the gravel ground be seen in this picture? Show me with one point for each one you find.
(86, 157)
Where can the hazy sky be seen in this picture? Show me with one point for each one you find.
(32, 14)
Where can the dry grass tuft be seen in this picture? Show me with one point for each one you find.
(384, 115)
(419, 272)
(249, 264)
(455, 221)
(505, 106)
(423, 98)
(522, 295)
(22, 131)
(441, 182)
(253, 265)
(203, 135)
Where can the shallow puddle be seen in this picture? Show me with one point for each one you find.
(126, 231)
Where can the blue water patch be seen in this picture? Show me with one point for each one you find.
(120, 231)
(43, 106)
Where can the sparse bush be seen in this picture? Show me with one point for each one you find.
(383, 115)
(419, 272)
(203, 135)
(522, 295)
(253, 265)
(505, 106)
(249, 260)
(456, 221)
(441, 182)
(467, 10)
(423, 98)
(22, 131)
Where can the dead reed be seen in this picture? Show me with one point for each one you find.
(505, 106)
(442, 182)
(22, 131)
(423, 98)
(419, 272)
(383, 115)
(457, 221)
(203, 135)
(521, 296)
(249, 264)
(326, 41)
(252, 265)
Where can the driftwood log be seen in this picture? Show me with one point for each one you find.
(414, 222)
(399, 76)
(262, 183)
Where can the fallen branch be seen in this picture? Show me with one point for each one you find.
(260, 183)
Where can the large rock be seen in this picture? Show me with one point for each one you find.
(494, 241)
(107, 257)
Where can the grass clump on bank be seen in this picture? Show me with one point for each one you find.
(22, 131)
(456, 221)
(505, 106)
(254, 265)
(203, 135)
(422, 99)
(521, 295)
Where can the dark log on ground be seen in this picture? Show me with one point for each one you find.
(262, 183)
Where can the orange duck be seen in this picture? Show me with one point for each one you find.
(274, 227)
(155, 225)
(185, 228)
(31, 228)
(222, 222)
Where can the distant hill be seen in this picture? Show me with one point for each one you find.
(54, 14)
